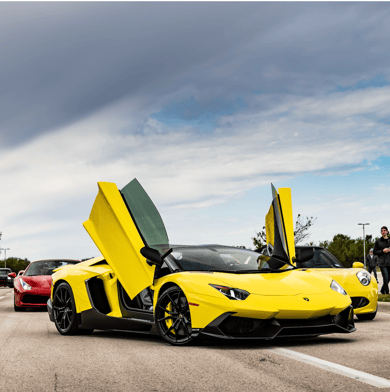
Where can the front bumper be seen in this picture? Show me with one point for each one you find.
(365, 301)
(228, 326)
(31, 298)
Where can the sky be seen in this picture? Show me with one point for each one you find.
(205, 103)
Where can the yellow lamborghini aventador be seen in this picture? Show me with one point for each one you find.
(142, 284)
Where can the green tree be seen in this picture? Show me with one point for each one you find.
(348, 250)
(301, 232)
(15, 263)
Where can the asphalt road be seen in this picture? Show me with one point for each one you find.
(35, 357)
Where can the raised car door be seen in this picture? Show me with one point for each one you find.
(121, 223)
(279, 225)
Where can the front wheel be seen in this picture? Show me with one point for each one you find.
(64, 309)
(173, 318)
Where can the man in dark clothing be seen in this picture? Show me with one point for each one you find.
(382, 250)
(371, 263)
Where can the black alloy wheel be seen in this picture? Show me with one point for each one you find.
(64, 310)
(173, 318)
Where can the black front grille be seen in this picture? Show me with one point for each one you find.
(359, 302)
(240, 325)
(35, 299)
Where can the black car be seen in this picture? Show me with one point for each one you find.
(5, 280)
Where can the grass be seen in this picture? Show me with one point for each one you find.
(384, 297)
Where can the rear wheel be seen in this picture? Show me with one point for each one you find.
(173, 318)
(64, 310)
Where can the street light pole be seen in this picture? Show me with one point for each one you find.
(5, 256)
(364, 242)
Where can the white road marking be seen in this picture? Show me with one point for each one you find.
(2, 297)
(378, 382)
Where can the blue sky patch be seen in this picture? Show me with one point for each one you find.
(201, 114)
(376, 81)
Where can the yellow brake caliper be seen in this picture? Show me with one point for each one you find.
(169, 321)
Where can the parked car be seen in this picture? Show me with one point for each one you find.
(32, 286)
(357, 282)
(143, 284)
(4, 281)
(10, 280)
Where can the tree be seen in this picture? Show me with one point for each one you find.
(301, 232)
(348, 250)
(15, 263)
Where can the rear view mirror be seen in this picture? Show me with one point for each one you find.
(12, 275)
(152, 256)
(356, 264)
(304, 254)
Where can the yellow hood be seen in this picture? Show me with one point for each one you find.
(285, 283)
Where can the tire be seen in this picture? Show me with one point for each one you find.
(64, 310)
(173, 318)
(367, 316)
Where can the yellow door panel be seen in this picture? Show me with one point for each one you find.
(287, 213)
(279, 225)
(111, 227)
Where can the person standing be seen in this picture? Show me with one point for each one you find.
(371, 263)
(382, 249)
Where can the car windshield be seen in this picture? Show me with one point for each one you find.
(224, 259)
(4, 271)
(322, 259)
(46, 267)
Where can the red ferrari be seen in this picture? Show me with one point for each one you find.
(32, 288)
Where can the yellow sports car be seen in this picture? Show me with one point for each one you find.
(144, 285)
(356, 281)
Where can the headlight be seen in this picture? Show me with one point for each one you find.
(25, 285)
(336, 287)
(364, 277)
(8, 278)
(231, 293)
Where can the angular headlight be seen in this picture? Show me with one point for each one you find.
(336, 287)
(230, 292)
(364, 277)
(25, 285)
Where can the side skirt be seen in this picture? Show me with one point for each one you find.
(92, 319)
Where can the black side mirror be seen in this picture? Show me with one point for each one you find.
(304, 254)
(152, 255)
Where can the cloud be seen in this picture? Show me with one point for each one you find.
(62, 62)
(51, 181)
(204, 103)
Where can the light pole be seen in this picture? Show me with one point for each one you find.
(5, 256)
(364, 242)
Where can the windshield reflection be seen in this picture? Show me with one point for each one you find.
(224, 259)
(46, 267)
